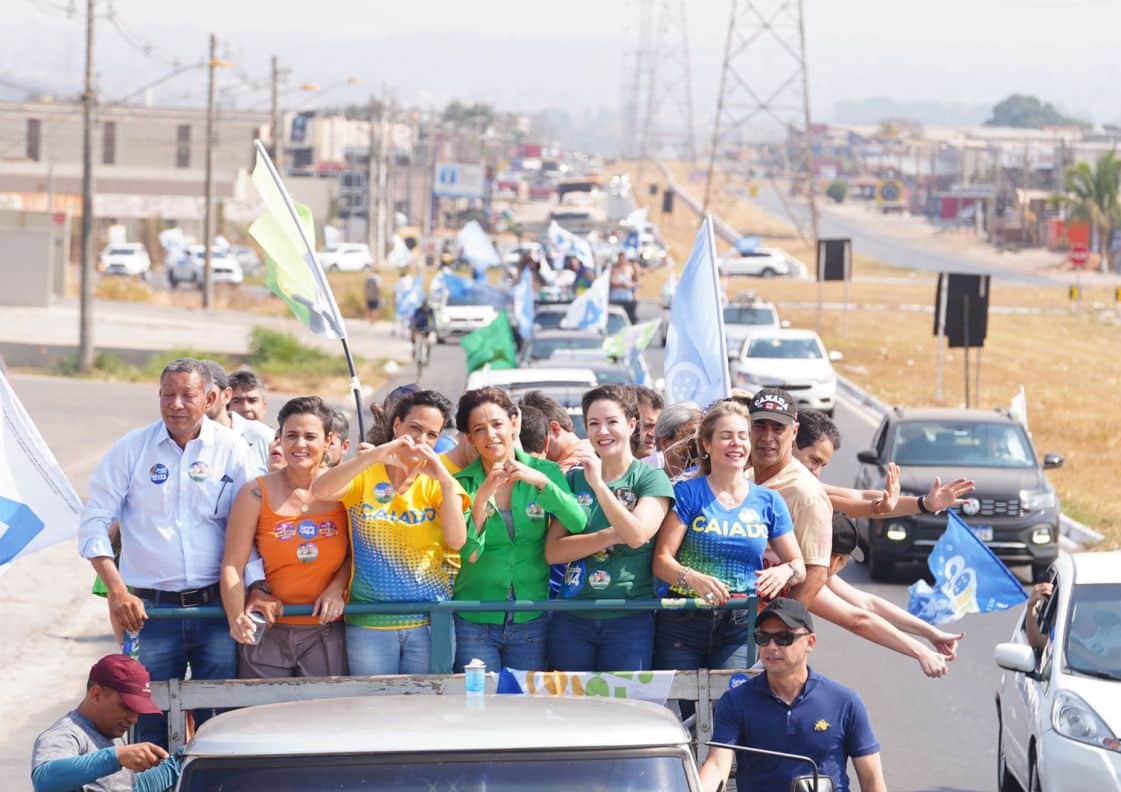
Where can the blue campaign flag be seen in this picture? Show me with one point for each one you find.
(567, 243)
(448, 284)
(968, 578)
(408, 296)
(630, 244)
(696, 362)
(523, 304)
(589, 310)
(476, 247)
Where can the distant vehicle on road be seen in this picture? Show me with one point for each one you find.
(762, 263)
(744, 319)
(544, 344)
(548, 317)
(247, 257)
(188, 267)
(130, 258)
(794, 360)
(346, 257)
(1014, 508)
(1059, 707)
(459, 315)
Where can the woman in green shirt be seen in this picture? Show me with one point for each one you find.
(514, 496)
(625, 501)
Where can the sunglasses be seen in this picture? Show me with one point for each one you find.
(784, 638)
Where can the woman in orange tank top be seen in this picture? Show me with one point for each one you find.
(304, 545)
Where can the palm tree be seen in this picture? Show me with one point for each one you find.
(1092, 195)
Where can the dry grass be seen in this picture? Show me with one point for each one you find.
(1067, 360)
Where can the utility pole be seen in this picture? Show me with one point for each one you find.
(383, 178)
(371, 181)
(208, 218)
(277, 127)
(808, 153)
(85, 302)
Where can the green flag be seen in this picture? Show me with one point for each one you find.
(492, 344)
(632, 337)
(290, 267)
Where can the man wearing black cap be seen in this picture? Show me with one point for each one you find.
(85, 749)
(774, 424)
(791, 709)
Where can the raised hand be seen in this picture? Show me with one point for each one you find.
(946, 644)
(519, 472)
(943, 496)
(140, 756)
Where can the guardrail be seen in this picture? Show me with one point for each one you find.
(178, 697)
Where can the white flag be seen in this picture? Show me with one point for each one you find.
(589, 310)
(38, 506)
(1019, 407)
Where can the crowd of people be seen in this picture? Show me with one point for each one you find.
(481, 500)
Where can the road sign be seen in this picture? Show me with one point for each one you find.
(459, 180)
(1079, 255)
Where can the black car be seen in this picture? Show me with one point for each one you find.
(1014, 509)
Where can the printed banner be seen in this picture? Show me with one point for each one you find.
(651, 686)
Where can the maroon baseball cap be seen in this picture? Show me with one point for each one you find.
(129, 678)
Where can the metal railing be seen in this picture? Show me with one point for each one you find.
(178, 697)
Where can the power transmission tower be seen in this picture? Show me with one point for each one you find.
(636, 73)
(764, 95)
(667, 121)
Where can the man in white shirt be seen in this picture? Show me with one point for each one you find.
(170, 486)
(256, 434)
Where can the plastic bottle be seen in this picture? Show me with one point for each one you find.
(476, 677)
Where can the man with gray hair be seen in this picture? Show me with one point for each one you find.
(170, 485)
(674, 434)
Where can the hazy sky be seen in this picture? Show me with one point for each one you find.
(527, 54)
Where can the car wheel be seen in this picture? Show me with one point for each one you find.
(767, 273)
(1004, 780)
(878, 569)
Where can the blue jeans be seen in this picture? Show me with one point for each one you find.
(168, 647)
(398, 651)
(507, 645)
(624, 643)
(689, 640)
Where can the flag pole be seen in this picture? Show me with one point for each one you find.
(323, 285)
(725, 375)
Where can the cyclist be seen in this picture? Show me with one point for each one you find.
(421, 327)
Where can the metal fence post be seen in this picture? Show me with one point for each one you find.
(442, 651)
(704, 715)
(176, 717)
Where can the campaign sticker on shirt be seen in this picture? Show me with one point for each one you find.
(198, 471)
(749, 516)
(735, 680)
(584, 499)
(328, 528)
(158, 473)
(284, 531)
(626, 496)
(573, 575)
(534, 510)
(383, 492)
(307, 529)
(307, 552)
(600, 579)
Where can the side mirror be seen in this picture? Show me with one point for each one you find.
(806, 784)
(1052, 461)
(835, 355)
(1015, 657)
(868, 457)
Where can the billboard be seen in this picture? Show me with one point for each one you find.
(459, 180)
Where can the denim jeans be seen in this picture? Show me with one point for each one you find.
(624, 643)
(168, 647)
(689, 640)
(507, 645)
(398, 651)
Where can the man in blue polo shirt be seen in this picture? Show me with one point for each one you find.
(791, 709)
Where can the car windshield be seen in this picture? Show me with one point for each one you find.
(962, 443)
(1093, 636)
(548, 320)
(124, 251)
(465, 300)
(543, 348)
(786, 348)
(746, 315)
(494, 772)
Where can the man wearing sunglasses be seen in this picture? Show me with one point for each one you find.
(791, 709)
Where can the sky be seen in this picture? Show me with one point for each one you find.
(527, 55)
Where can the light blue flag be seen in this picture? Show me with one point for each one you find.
(476, 247)
(696, 362)
(589, 310)
(523, 304)
(451, 285)
(567, 243)
(630, 244)
(408, 296)
(968, 578)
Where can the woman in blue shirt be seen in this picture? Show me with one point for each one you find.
(711, 546)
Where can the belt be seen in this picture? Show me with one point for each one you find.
(190, 598)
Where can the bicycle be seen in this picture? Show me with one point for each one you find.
(422, 351)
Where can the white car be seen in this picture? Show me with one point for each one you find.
(1059, 708)
(527, 379)
(794, 360)
(346, 257)
(187, 268)
(457, 316)
(744, 319)
(130, 258)
(762, 263)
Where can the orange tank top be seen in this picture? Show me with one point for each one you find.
(301, 552)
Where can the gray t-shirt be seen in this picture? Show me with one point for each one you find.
(73, 735)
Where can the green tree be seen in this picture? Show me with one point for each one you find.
(1092, 195)
(1028, 112)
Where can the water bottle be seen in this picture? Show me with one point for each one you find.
(131, 645)
(476, 677)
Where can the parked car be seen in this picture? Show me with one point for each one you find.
(549, 316)
(444, 742)
(761, 262)
(1014, 508)
(794, 360)
(1059, 706)
(130, 258)
(459, 315)
(346, 257)
(188, 267)
(531, 378)
(744, 319)
(247, 257)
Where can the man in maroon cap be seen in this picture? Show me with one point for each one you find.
(85, 749)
